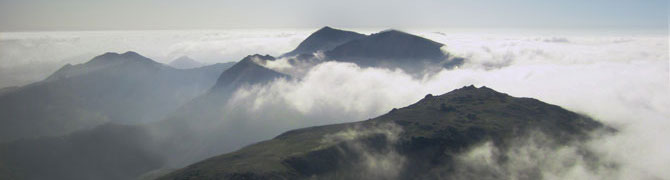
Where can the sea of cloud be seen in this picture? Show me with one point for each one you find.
(622, 80)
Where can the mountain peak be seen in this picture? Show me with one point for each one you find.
(401, 35)
(247, 71)
(255, 57)
(185, 62)
(127, 54)
(104, 61)
(392, 31)
(324, 39)
(392, 49)
(325, 28)
(183, 58)
(466, 94)
(112, 58)
(473, 93)
(131, 54)
(473, 89)
(329, 31)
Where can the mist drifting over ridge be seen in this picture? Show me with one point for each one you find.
(620, 80)
(595, 75)
(347, 89)
(574, 72)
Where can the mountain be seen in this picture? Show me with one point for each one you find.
(106, 152)
(192, 132)
(123, 88)
(246, 72)
(387, 49)
(392, 44)
(129, 61)
(394, 49)
(8, 89)
(420, 141)
(185, 62)
(324, 39)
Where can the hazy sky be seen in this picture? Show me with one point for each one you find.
(44, 15)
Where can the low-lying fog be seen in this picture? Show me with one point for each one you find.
(619, 78)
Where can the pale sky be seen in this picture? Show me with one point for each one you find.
(48, 15)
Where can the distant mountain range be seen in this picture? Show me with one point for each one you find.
(123, 88)
(426, 136)
(185, 62)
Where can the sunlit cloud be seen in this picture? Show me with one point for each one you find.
(623, 84)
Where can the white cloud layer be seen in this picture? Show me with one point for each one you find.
(622, 81)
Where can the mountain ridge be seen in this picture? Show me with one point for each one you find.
(186, 123)
(391, 48)
(246, 72)
(110, 87)
(395, 49)
(323, 39)
(425, 135)
(105, 61)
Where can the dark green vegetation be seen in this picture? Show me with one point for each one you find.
(406, 143)
(123, 88)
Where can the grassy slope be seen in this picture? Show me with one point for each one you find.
(433, 129)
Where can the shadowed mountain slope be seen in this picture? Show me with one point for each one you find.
(122, 88)
(412, 142)
(190, 133)
(324, 39)
(387, 49)
(246, 72)
(389, 44)
(106, 152)
(395, 49)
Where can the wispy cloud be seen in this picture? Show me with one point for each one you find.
(620, 79)
(621, 83)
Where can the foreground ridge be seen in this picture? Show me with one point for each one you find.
(419, 139)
